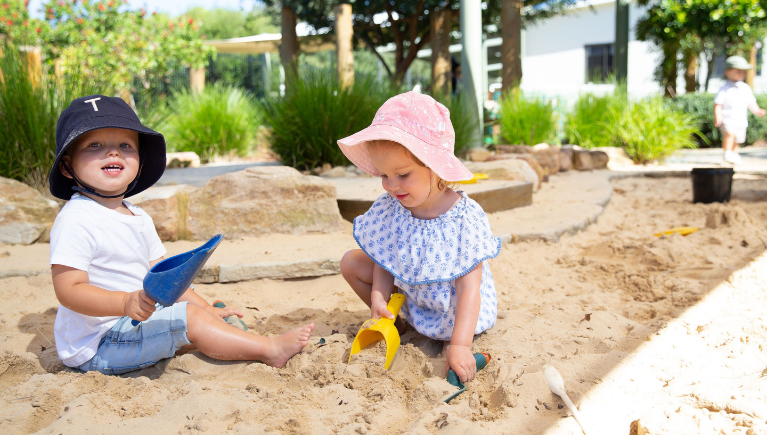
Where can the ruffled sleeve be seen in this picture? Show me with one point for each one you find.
(420, 251)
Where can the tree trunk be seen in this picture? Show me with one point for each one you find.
(690, 74)
(441, 74)
(511, 47)
(345, 63)
(669, 68)
(751, 73)
(289, 48)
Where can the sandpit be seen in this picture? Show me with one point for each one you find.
(613, 308)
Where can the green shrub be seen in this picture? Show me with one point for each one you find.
(528, 121)
(650, 130)
(28, 116)
(316, 113)
(701, 106)
(590, 124)
(220, 120)
(464, 122)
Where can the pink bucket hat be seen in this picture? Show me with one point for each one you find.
(420, 124)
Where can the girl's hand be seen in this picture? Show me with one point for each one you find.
(139, 306)
(378, 309)
(223, 313)
(761, 112)
(461, 360)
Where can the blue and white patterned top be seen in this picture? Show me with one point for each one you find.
(427, 256)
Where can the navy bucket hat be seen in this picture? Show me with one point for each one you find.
(98, 111)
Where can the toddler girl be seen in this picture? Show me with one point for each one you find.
(422, 237)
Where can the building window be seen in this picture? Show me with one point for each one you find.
(599, 62)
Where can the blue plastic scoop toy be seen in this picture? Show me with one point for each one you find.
(167, 280)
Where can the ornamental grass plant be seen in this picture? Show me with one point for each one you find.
(527, 121)
(218, 121)
(316, 112)
(649, 130)
(590, 123)
(30, 104)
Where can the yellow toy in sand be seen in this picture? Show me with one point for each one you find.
(681, 230)
(477, 176)
(374, 330)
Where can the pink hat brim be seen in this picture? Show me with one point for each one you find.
(444, 163)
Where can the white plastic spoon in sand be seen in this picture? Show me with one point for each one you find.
(557, 386)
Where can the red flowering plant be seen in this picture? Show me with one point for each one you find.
(112, 44)
(16, 25)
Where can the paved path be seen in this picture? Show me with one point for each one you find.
(197, 177)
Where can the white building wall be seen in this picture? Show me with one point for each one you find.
(554, 55)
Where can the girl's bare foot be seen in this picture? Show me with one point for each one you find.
(288, 344)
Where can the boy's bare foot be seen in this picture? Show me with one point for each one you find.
(288, 344)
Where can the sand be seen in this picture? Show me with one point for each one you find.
(665, 332)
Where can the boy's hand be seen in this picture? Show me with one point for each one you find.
(139, 306)
(461, 360)
(761, 112)
(223, 313)
(378, 309)
(717, 122)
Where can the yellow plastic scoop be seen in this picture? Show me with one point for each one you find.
(477, 176)
(376, 329)
(682, 230)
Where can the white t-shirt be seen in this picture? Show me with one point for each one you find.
(115, 249)
(735, 98)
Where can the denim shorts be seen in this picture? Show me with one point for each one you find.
(126, 348)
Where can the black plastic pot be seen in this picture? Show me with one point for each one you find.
(711, 184)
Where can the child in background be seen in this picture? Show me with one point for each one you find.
(730, 105)
(102, 247)
(422, 237)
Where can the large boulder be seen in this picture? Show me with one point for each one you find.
(565, 158)
(169, 208)
(262, 200)
(479, 154)
(512, 149)
(507, 169)
(599, 159)
(548, 158)
(582, 159)
(25, 214)
(618, 158)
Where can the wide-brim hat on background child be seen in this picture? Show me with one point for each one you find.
(737, 62)
(98, 111)
(420, 124)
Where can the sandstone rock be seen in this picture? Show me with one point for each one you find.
(169, 208)
(533, 162)
(618, 157)
(582, 160)
(262, 200)
(182, 160)
(599, 159)
(513, 149)
(479, 154)
(25, 214)
(507, 169)
(565, 159)
(548, 157)
(336, 172)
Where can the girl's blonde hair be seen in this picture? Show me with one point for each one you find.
(441, 184)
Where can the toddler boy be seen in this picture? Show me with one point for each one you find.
(102, 247)
(730, 105)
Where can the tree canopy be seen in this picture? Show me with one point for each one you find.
(404, 23)
(220, 23)
(107, 42)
